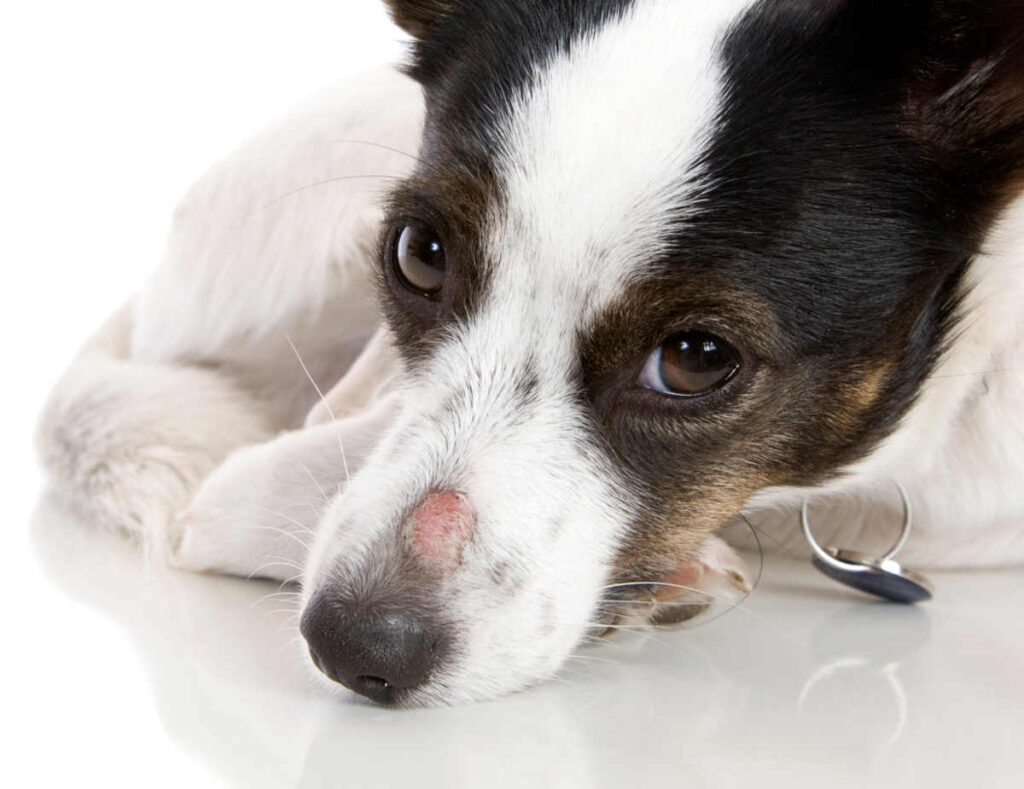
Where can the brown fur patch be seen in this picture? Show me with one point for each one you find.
(863, 394)
(454, 201)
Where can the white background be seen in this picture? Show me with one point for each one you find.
(114, 675)
(110, 109)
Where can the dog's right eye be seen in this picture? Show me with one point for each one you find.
(419, 260)
(691, 364)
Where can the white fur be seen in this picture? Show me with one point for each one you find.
(277, 241)
(257, 514)
(577, 220)
(270, 256)
(204, 360)
(131, 442)
(603, 154)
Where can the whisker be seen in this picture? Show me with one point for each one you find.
(325, 182)
(375, 145)
(330, 411)
(277, 595)
(602, 626)
(627, 584)
(285, 533)
(319, 487)
(978, 372)
(280, 591)
(302, 526)
(279, 563)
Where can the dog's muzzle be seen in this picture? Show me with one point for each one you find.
(380, 632)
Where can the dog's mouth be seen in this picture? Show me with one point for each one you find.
(629, 605)
(387, 632)
(645, 606)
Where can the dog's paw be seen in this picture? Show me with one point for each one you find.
(257, 513)
(253, 516)
(718, 578)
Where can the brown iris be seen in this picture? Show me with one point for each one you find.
(420, 260)
(690, 364)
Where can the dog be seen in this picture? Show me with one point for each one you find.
(485, 352)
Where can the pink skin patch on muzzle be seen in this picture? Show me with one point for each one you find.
(441, 525)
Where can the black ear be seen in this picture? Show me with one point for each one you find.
(965, 96)
(417, 17)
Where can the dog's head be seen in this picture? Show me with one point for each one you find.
(656, 256)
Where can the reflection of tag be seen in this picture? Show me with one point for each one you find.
(861, 674)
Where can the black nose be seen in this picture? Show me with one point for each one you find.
(378, 655)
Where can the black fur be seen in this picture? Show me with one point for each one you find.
(419, 17)
(863, 151)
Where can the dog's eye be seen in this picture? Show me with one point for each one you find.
(420, 260)
(690, 364)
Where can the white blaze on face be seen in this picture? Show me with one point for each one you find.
(603, 154)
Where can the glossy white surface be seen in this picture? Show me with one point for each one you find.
(115, 675)
(197, 678)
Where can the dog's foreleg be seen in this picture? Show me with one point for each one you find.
(130, 442)
(716, 577)
(366, 381)
(256, 515)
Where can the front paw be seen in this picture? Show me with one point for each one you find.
(247, 520)
(257, 513)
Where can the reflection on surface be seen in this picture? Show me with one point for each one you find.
(861, 654)
(799, 686)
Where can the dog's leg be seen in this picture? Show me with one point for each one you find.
(130, 442)
(273, 253)
(256, 515)
(717, 576)
(267, 283)
(364, 383)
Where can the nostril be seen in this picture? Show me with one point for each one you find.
(374, 688)
(377, 656)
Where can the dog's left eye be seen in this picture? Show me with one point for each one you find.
(419, 260)
(690, 364)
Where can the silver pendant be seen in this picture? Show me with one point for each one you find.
(882, 577)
